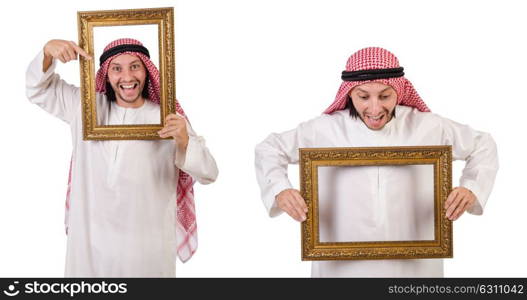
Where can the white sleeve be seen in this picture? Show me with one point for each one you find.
(197, 160)
(272, 157)
(49, 92)
(479, 151)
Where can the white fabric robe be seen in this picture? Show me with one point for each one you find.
(121, 220)
(385, 196)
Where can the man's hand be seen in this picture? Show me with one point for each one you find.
(62, 50)
(459, 200)
(292, 203)
(176, 127)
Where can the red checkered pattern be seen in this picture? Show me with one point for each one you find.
(377, 58)
(186, 226)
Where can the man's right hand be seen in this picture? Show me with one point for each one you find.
(62, 50)
(292, 203)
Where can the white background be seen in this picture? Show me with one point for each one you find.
(245, 69)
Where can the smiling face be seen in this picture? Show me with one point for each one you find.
(127, 76)
(375, 103)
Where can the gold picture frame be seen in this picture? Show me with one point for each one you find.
(440, 157)
(163, 18)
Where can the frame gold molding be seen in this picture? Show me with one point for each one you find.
(438, 156)
(87, 20)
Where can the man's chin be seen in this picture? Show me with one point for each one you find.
(375, 128)
(129, 100)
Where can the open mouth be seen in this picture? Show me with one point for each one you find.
(129, 90)
(375, 121)
(130, 86)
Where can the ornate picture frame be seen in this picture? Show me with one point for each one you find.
(163, 18)
(440, 157)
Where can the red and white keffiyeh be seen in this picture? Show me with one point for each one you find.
(186, 225)
(374, 58)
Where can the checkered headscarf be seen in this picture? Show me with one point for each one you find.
(374, 58)
(186, 226)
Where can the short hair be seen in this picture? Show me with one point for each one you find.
(353, 111)
(110, 93)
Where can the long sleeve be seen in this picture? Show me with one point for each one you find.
(197, 160)
(272, 157)
(479, 151)
(48, 91)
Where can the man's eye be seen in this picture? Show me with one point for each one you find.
(135, 67)
(116, 69)
(384, 96)
(363, 97)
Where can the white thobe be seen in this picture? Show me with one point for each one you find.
(386, 203)
(122, 214)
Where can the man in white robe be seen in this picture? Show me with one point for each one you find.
(121, 212)
(376, 107)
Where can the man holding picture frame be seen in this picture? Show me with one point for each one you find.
(130, 203)
(376, 106)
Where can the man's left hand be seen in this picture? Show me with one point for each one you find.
(176, 127)
(459, 200)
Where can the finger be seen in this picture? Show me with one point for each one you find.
(167, 131)
(80, 51)
(64, 54)
(451, 197)
(298, 209)
(62, 58)
(453, 205)
(178, 122)
(71, 54)
(172, 117)
(291, 211)
(451, 210)
(300, 201)
(284, 203)
(460, 207)
(163, 130)
(175, 135)
(171, 130)
(168, 135)
(171, 126)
